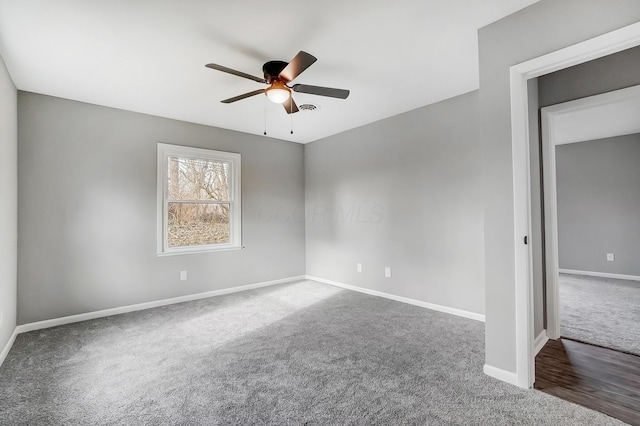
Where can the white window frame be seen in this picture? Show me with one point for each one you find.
(235, 217)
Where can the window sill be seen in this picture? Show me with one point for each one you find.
(208, 250)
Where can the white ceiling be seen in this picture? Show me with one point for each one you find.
(148, 56)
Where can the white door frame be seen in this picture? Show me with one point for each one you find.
(549, 116)
(606, 44)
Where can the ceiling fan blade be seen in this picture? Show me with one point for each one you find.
(290, 106)
(322, 91)
(234, 72)
(301, 62)
(240, 97)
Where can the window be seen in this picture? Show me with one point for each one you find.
(198, 200)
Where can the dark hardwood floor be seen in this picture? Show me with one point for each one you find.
(598, 378)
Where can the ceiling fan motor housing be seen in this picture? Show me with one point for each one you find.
(272, 70)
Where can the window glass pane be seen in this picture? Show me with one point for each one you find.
(198, 179)
(191, 224)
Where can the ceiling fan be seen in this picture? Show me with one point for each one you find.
(278, 75)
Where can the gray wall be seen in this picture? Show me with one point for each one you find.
(87, 202)
(598, 186)
(404, 192)
(8, 203)
(542, 28)
(602, 75)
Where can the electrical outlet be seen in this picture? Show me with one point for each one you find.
(387, 271)
(611, 257)
(359, 267)
(183, 275)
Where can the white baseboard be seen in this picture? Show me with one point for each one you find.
(7, 347)
(147, 305)
(500, 374)
(433, 306)
(539, 342)
(600, 274)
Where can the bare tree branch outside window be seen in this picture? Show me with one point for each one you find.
(198, 202)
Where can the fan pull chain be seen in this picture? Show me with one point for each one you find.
(265, 122)
(291, 109)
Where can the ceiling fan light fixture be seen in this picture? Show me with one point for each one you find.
(278, 92)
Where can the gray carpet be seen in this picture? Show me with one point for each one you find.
(293, 354)
(601, 311)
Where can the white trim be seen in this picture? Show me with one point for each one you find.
(596, 47)
(551, 221)
(623, 96)
(500, 374)
(180, 253)
(7, 347)
(235, 202)
(432, 306)
(147, 305)
(540, 341)
(522, 229)
(600, 274)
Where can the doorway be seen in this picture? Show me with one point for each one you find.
(613, 42)
(591, 148)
